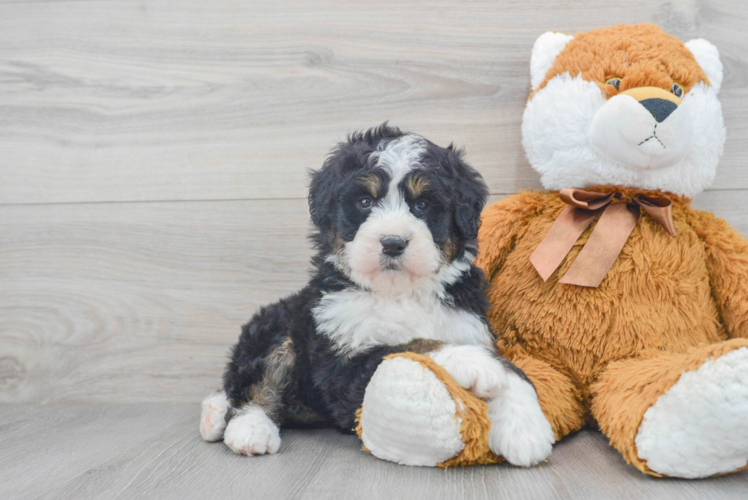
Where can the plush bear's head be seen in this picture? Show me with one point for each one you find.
(628, 106)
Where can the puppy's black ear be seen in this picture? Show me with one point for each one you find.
(321, 194)
(470, 194)
(325, 182)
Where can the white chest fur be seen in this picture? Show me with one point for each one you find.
(356, 320)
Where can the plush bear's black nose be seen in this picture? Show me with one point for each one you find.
(659, 108)
(393, 246)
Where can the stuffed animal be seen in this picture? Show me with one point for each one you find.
(622, 304)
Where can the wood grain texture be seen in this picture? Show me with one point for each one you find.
(152, 197)
(121, 100)
(137, 301)
(141, 301)
(154, 451)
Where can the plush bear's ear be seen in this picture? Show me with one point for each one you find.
(544, 52)
(707, 56)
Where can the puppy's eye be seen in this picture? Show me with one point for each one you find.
(365, 203)
(677, 90)
(421, 206)
(615, 81)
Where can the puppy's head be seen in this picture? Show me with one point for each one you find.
(395, 211)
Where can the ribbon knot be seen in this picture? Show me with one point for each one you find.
(605, 243)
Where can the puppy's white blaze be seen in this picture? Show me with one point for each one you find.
(400, 156)
(356, 320)
(557, 135)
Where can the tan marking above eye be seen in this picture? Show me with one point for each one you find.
(372, 183)
(417, 185)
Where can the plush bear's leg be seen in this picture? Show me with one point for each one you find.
(408, 415)
(680, 415)
(559, 398)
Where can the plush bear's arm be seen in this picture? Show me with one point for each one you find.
(727, 262)
(502, 224)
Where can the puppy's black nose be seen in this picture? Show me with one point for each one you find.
(659, 108)
(393, 246)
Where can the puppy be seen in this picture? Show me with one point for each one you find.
(396, 220)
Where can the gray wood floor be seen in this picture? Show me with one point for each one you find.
(153, 160)
(145, 451)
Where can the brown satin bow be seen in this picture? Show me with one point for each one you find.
(607, 239)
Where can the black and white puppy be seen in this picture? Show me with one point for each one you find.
(396, 221)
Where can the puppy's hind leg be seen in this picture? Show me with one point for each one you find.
(253, 428)
(252, 432)
(213, 416)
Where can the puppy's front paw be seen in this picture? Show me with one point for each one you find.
(474, 368)
(519, 430)
(252, 433)
(213, 416)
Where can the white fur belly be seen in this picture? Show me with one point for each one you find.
(356, 320)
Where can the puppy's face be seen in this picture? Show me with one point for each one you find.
(395, 211)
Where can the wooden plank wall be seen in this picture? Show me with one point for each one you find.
(153, 158)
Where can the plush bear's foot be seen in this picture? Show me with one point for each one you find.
(699, 427)
(519, 430)
(408, 415)
(251, 432)
(213, 416)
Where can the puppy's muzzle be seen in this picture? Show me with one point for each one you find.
(393, 246)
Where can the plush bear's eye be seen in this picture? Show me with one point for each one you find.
(615, 81)
(677, 90)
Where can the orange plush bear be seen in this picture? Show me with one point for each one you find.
(624, 306)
